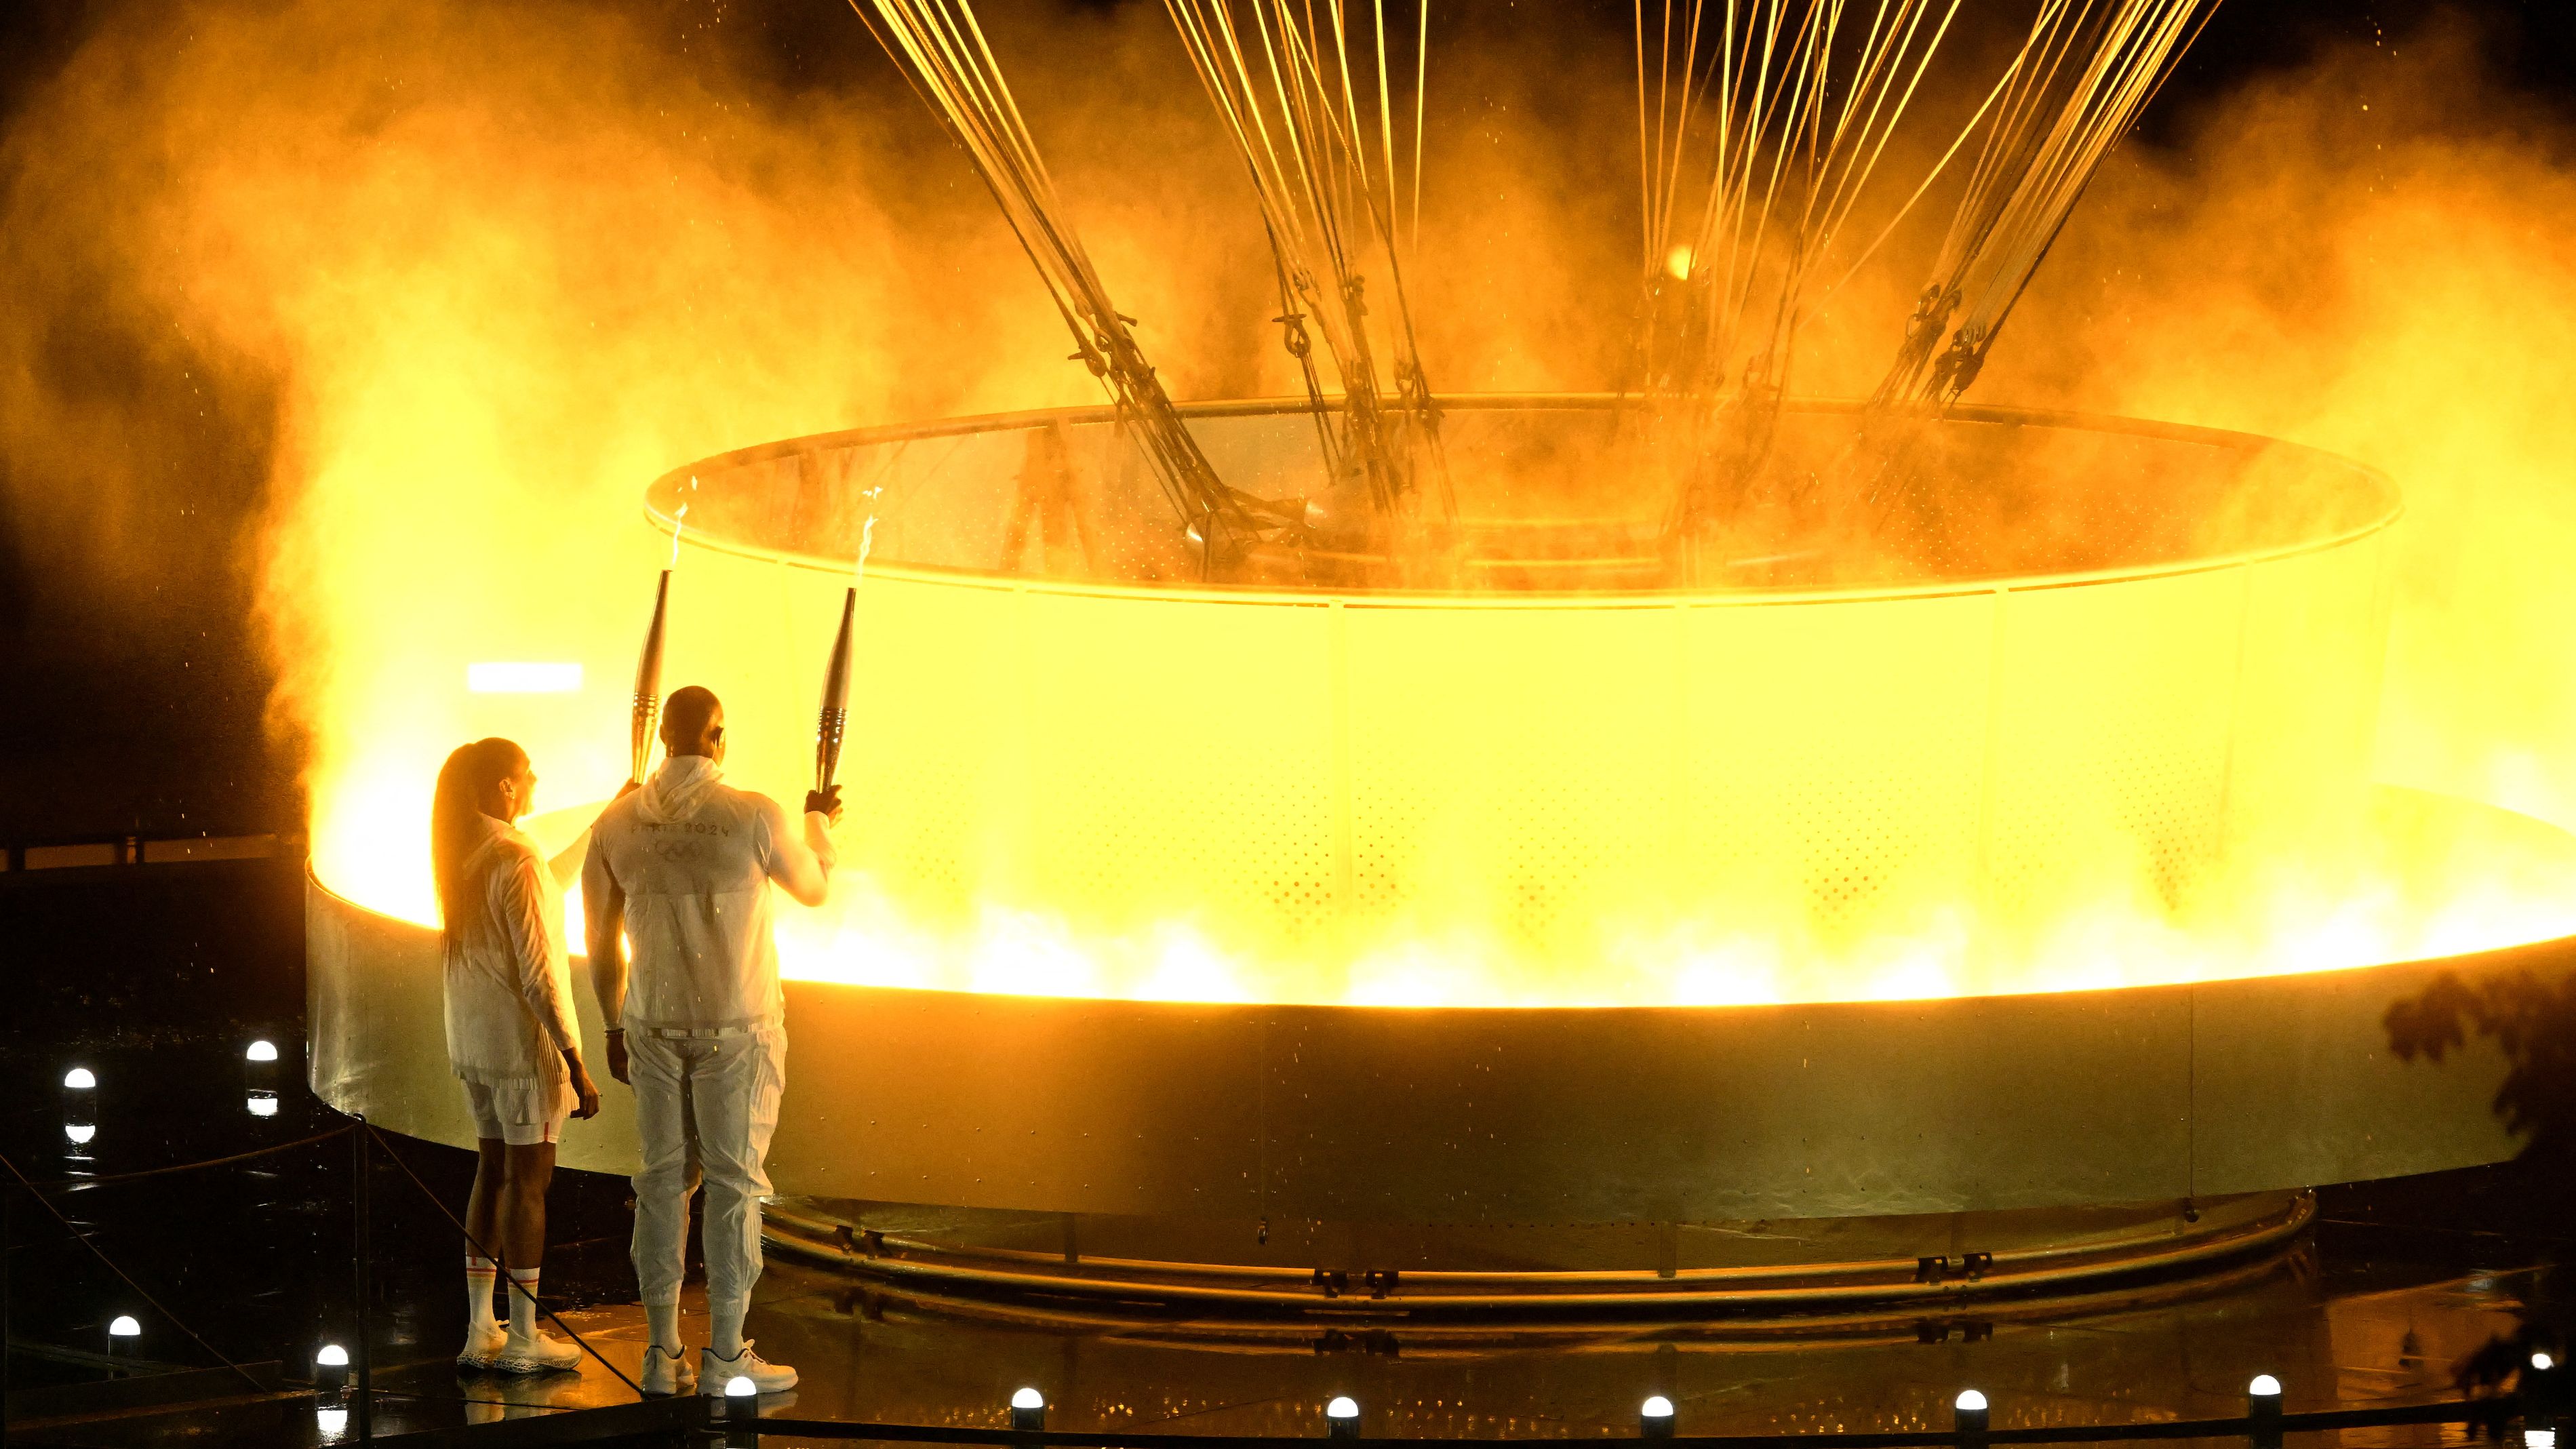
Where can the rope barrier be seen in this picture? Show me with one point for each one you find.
(123, 1277)
(515, 1286)
(66, 1184)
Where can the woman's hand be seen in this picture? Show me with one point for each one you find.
(583, 1088)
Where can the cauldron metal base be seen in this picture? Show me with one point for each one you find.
(1832, 1276)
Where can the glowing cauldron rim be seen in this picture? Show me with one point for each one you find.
(669, 482)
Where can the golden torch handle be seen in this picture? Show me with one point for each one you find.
(648, 683)
(835, 716)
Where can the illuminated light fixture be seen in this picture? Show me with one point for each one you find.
(330, 1372)
(2543, 1362)
(332, 1423)
(80, 1133)
(263, 1104)
(1971, 1414)
(1655, 1419)
(261, 1051)
(1028, 1410)
(80, 1079)
(2263, 1408)
(122, 1331)
(1342, 1417)
(2540, 1438)
(740, 1386)
(521, 677)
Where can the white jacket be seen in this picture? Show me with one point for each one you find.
(509, 980)
(693, 858)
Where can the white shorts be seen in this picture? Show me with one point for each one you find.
(521, 1114)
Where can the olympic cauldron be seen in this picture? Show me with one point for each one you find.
(1292, 948)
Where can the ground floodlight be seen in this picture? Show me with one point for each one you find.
(261, 1051)
(80, 1079)
(1655, 1417)
(2264, 1387)
(1342, 1417)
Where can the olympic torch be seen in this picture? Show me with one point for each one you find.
(648, 683)
(834, 720)
(836, 698)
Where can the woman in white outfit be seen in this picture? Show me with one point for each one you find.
(510, 1034)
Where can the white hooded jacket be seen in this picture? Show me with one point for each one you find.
(508, 977)
(692, 857)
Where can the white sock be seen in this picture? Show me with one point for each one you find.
(662, 1322)
(478, 1293)
(724, 1330)
(523, 1304)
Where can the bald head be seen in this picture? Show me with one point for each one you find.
(693, 722)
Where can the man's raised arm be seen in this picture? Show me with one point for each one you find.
(803, 868)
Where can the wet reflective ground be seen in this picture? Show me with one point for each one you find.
(157, 987)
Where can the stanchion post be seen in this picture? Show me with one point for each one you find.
(361, 1247)
(741, 1413)
(1970, 1418)
(1028, 1411)
(1655, 1418)
(1342, 1418)
(2542, 1390)
(2263, 1410)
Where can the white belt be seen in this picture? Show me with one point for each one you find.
(686, 1033)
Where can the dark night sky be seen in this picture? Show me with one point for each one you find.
(120, 718)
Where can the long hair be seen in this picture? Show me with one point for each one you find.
(456, 817)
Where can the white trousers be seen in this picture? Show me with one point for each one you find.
(704, 1109)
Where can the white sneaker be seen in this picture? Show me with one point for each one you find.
(537, 1353)
(483, 1349)
(667, 1373)
(715, 1371)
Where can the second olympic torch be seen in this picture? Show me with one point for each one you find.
(835, 718)
(648, 683)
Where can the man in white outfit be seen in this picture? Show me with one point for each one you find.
(682, 866)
